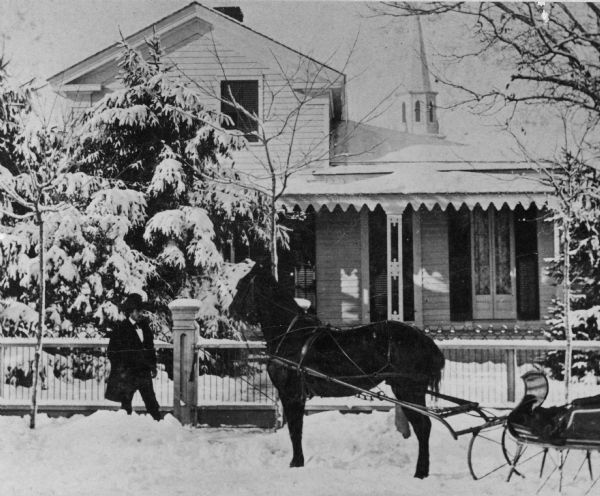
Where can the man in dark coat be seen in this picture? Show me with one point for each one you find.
(132, 359)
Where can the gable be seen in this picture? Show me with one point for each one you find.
(197, 20)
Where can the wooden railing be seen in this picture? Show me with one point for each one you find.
(489, 371)
(478, 370)
(233, 374)
(73, 372)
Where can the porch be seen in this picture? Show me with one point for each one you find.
(457, 252)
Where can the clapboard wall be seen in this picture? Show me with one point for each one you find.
(202, 58)
(338, 261)
(435, 274)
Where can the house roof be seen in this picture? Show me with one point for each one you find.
(377, 166)
(191, 11)
(420, 184)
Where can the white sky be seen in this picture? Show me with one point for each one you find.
(42, 37)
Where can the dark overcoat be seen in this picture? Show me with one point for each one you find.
(130, 359)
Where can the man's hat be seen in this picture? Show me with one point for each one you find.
(132, 301)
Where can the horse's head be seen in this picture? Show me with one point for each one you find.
(260, 299)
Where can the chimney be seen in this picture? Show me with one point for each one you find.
(233, 12)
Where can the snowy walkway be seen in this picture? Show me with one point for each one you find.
(109, 453)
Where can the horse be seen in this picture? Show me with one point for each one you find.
(363, 356)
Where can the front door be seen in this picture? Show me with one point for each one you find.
(493, 264)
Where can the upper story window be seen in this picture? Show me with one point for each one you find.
(430, 111)
(417, 111)
(244, 94)
(403, 112)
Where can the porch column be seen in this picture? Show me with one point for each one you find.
(395, 288)
(185, 337)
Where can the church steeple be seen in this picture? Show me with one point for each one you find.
(418, 101)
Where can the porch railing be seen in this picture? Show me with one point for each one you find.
(73, 372)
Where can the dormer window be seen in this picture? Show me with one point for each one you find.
(235, 94)
(417, 111)
(403, 112)
(430, 111)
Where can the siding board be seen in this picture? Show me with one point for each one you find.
(436, 271)
(338, 267)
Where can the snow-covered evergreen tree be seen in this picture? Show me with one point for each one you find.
(146, 206)
(577, 187)
(168, 158)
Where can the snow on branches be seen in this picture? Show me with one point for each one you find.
(129, 198)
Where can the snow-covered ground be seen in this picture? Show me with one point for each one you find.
(109, 453)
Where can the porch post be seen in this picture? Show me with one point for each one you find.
(395, 288)
(185, 337)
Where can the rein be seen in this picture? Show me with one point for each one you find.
(318, 331)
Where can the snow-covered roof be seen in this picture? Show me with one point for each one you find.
(377, 166)
(420, 185)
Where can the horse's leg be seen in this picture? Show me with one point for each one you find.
(289, 387)
(401, 422)
(420, 423)
(293, 409)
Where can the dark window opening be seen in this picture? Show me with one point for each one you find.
(430, 111)
(296, 267)
(377, 265)
(459, 253)
(378, 289)
(526, 253)
(244, 94)
(403, 112)
(418, 111)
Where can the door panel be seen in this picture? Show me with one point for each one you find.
(493, 264)
(482, 290)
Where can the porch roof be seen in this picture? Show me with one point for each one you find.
(420, 184)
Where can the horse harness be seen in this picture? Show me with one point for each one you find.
(385, 372)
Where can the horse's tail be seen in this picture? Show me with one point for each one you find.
(435, 366)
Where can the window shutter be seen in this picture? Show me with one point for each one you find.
(528, 291)
(459, 251)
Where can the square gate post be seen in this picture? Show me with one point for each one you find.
(186, 334)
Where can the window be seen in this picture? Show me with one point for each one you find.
(430, 111)
(493, 262)
(403, 112)
(245, 94)
(297, 269)
(417, 111)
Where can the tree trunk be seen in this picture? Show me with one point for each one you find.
(567, 306)
(40, 329)
(273, 241)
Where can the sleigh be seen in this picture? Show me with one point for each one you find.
(532, 437)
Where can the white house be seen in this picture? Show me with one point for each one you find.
(405, 224)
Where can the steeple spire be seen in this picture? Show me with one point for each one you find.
(419, 100)
(419, 69)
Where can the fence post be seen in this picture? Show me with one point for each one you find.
(511, 375)
(185, 338)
